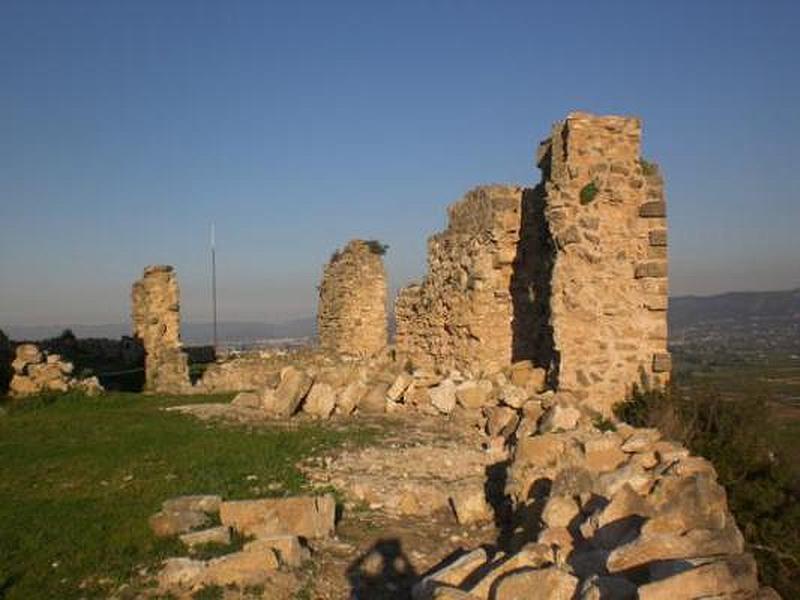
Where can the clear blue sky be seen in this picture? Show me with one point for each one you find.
(127, 127)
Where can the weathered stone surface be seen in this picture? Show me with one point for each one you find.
(527, 376)
(351, 318)
(304, 516)
(734, 575)
(166, 524)
(475, 394)
(321, 400)
(500, 420)
(560, 417)
(349, 398)
(461, 315)
(545, 584)
(530, 556)
(293, 387)
(374, 401)
(452, 574)
(156, 324)
(560, 511)
(247, 400)
(470, 505)
(443, 397)
(249, 567)
(698, 542)
(215, 535)
(399, 386)
(288, 548)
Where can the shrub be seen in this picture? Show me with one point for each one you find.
(588, 192)
(377, 247)
(735, 436)
(648, 168)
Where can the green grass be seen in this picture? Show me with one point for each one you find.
(79, 476)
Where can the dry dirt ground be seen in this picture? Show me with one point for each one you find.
(396, 523)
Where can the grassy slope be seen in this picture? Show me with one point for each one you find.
(79, 477)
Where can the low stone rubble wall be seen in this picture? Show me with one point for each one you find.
(36, 372)
(604, 510)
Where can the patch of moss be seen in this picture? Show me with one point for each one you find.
(589, 193)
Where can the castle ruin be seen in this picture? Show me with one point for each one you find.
(157, 325)
(351, 319)
(571, 274)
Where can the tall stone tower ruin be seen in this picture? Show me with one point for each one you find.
(571, 274)
(351, 318)
(157, 324)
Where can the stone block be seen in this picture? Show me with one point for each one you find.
(653, 209)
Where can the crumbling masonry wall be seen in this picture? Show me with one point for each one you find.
(156, 324)
(605, 209)
(570, 275)
(460, 316)
(351, 318)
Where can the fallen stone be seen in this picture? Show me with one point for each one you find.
(560, 417)
(166, 524)
(249, 567)
(399, 386)
(443, 396)
(290, 551)
(513, 396)
(475, 394)
(696, 543)
(470, 505)
(560, 511)
(641, 440)
(500, 421)
(293, 387)
(732, 575)
(215, 535)
(602, 452)
(310, 517)
(530, 556)
(350, 397)
(539, 584)
(247, 400)
(523, 374)
(374, 402)
(452, 574)
(321, 400)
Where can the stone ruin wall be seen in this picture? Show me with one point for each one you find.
(156, 323)
(570, 275)
(351, 318)
(459, 317)
(609, 280)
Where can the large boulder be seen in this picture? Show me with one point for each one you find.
(293, 387)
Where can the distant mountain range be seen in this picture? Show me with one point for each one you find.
(690, 311)
(684, 312)
(192, 333)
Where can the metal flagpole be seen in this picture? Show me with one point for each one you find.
(214, 284)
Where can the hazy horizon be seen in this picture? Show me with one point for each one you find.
(129, 128)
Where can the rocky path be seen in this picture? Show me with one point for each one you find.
(399, 521)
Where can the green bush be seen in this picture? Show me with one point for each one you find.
(377, 247)
(736, 437)
(589, 192)
(648, 168)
